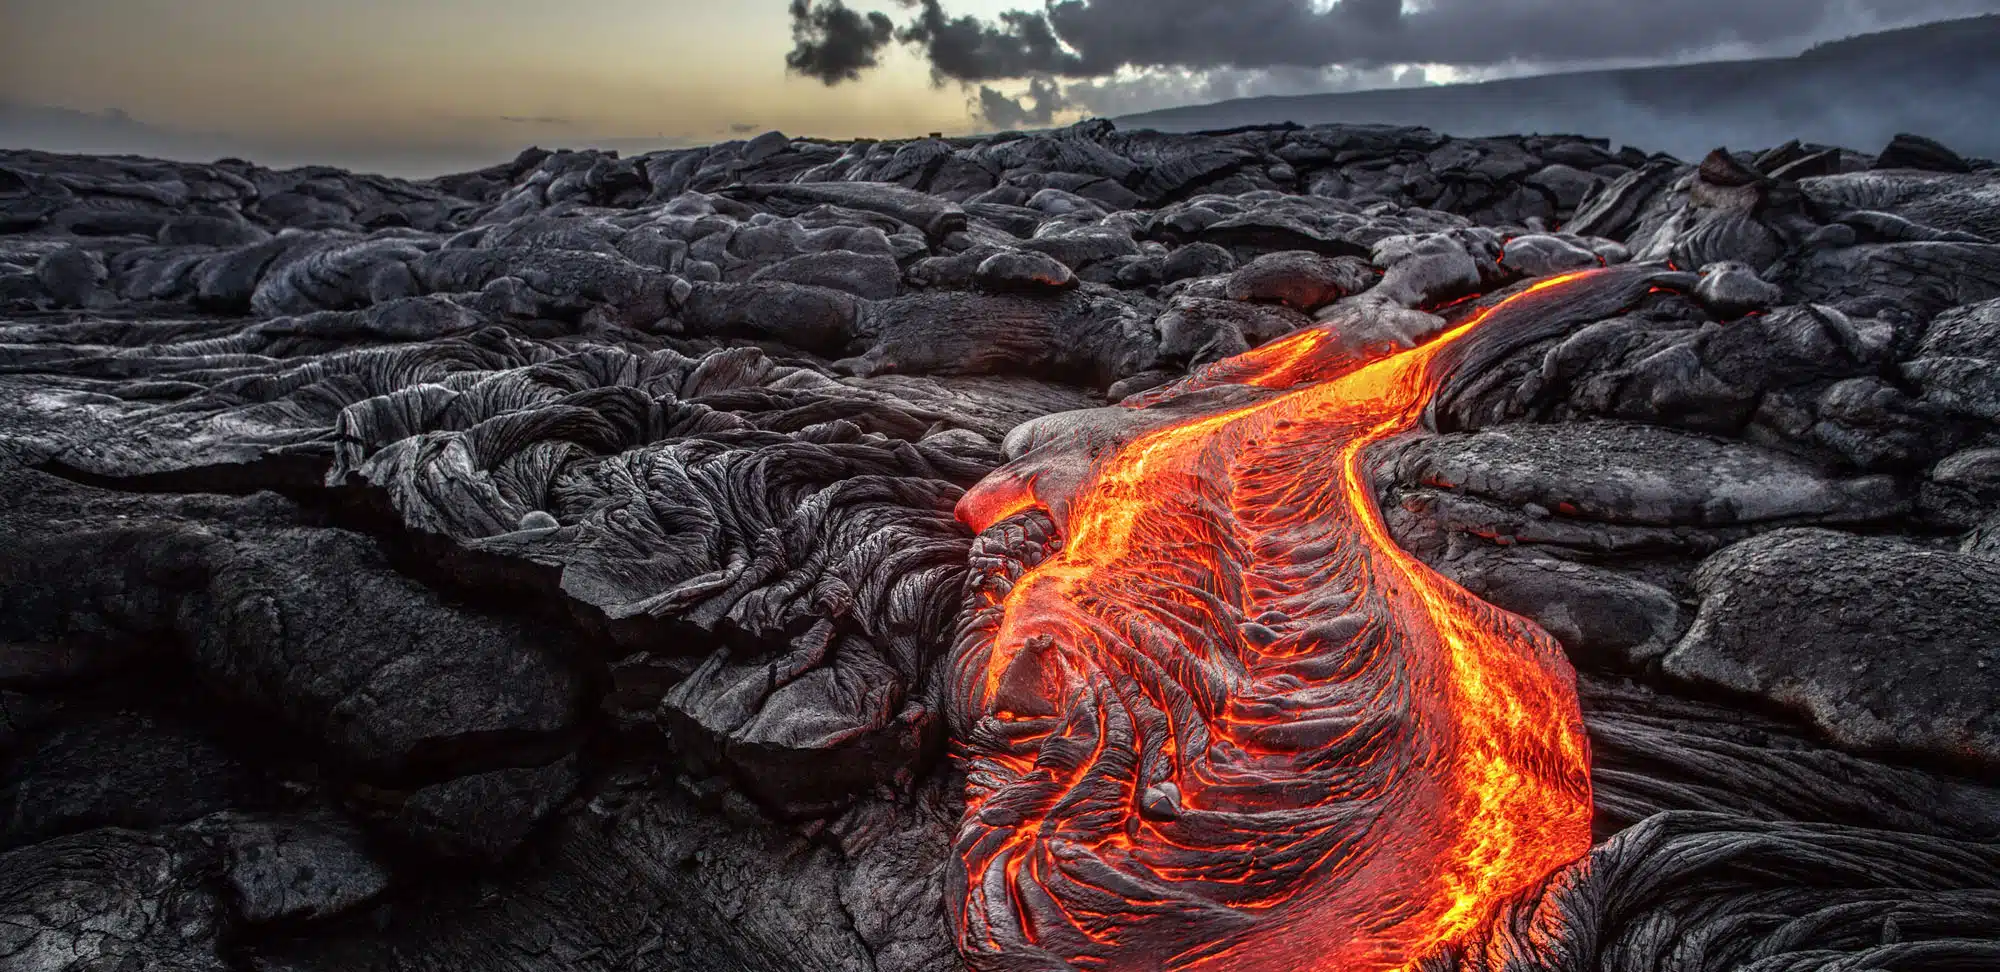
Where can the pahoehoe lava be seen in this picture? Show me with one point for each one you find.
(1230, 724)
(1283, 548)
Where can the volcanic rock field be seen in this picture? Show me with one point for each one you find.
(971, 552)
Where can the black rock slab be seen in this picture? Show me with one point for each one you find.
(111, 899)
(1884, 645)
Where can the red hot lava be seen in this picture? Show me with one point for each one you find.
(1227, 723)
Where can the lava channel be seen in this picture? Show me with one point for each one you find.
(1224, 721)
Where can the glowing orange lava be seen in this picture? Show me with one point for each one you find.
(1229, 723)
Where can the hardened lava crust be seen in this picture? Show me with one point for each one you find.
(1274, 550)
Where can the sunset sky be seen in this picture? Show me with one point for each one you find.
(464, 77)
(394, 70)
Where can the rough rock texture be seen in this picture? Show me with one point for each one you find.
(549, 567)
(1840, 600)
(110, 899)
(295, 869)
(124, 769)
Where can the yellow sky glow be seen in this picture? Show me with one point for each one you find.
(451, 70)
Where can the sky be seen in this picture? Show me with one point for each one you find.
(438, 83)
(448, 70)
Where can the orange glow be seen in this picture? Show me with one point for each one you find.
(1231, 725)
(985, 507)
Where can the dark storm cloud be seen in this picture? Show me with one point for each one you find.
(1036, 109)
(1471, 33)
(833, 43)
(1021, 44)
(1093, 38)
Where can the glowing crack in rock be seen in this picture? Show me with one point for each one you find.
(1225, 722)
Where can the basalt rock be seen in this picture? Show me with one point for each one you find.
(595, 562)
(1542, 255)
(111, 899)
(1907, 151)
(1300, 280)
(1023, 271)
(294, 868)
(1198, 330)
(120, 770)
(1838, 597)
(1732, 290)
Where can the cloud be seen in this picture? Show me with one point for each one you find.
(1038, 108)
(1132, 92)
(743, 128)
(833, 43)
(1021, 44)
(537, 120)
(1076, 39)
(1120, 56)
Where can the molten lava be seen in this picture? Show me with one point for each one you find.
(1226, 722)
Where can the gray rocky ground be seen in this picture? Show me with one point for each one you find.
(548, 567)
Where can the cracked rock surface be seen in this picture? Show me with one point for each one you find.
(548, 567)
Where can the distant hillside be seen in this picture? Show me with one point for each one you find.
(112, 132)
(115, 133)
(1940, 80)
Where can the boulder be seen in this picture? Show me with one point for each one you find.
(1299, 279)
(1022, 271)
(1886, 646)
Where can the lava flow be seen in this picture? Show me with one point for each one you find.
(1225, 722)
